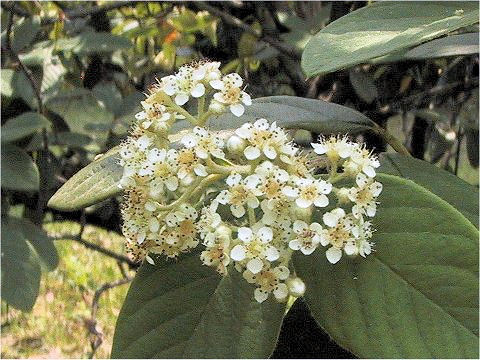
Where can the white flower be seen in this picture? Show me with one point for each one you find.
(296, 286)
(364, 196)
(161, 167)
(241, 193)
(209, 221)
(207, 71)
(269, 281)
(338, 234)
(185, 83)
(309, 192)
(362, 161)
(334, 148)
(267, 139)
(254, 247)
(204, 143)
(189, 166)
(307, 238)
(217, 248)
(231, 93)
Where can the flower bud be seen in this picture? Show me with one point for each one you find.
(224, 232)
(342, 195)
(236, 145)
(296, 287)
(304, 214)
(216, 107)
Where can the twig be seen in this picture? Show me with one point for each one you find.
(41, 201)
(97, 335)
(69, 14)
(457, 153)
(132, 264)
(13, 8)
(27, 72)
(434, 91)
(232, 20)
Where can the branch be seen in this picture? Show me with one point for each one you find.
(97, 339)
(232, 20)
(26, 71)
(434, 91)
(80, 12)
(84, 12)
(124, 259)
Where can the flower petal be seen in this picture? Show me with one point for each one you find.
(237, 109)
(181, 99)
(255, 265)
(251, 152)
(333, 255)
(238, 253)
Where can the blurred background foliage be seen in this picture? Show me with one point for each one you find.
(72, 77)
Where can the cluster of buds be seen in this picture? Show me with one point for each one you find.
(248, 196)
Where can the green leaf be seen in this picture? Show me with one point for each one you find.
(416, 296)
(81, 110)
(24, 32)
(452, 189)
(382, 28)
(20, 269)
(7, 79)
(39, 52)
(53, 73)
(295, 113)
(89, 42)
(22, 88)
(41, 243)
(72, 139)
(453, 45)
(364, 86)
(109, 95)
(23, 125)
(94, 183)
(19, 172)
(183, 309)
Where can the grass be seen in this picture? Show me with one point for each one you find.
(58, 325)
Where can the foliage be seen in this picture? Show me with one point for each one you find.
(398, 75)
(58, 324)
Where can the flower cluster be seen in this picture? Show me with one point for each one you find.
(247, 196)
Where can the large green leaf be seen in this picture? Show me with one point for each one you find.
(42, 244)
(452, 189)
(23, 125)
(24, 32)
(416, 296)
(94, 183)
(295, 113)
(93, 42)
(100, 179)
(19, 172)
(109, 95)
(183, 309)
(81, 110)
(453, 45)
(20, 269)
(382, 28)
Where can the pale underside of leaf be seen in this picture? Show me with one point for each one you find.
(382, 28)
(94, 183)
